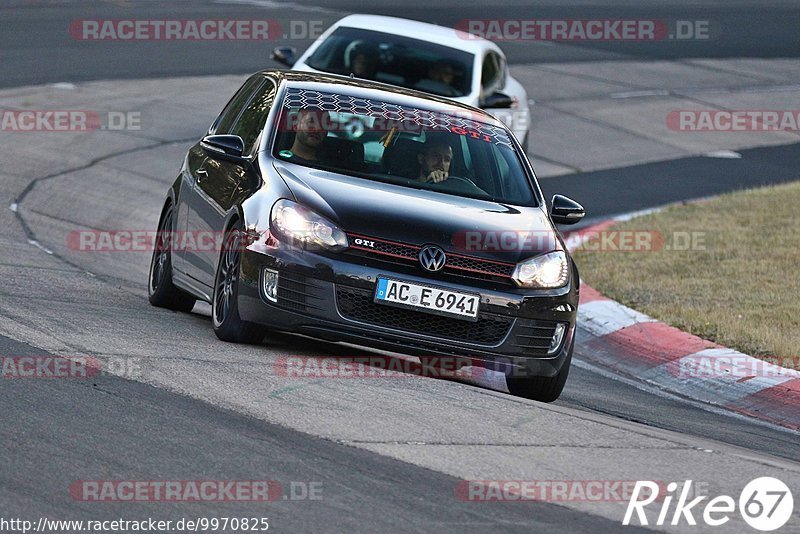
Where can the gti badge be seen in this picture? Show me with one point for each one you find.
(432, 258)
(364, 243)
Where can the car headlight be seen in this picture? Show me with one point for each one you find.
(547, 271)
(295, 222)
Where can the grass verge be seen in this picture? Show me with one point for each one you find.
(727, 270)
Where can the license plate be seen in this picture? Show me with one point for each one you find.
(426, 298)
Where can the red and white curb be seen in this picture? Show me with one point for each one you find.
(637, 346)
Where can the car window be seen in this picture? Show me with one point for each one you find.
(506, 185)
(229, 115)
(501, 82)
(491, 73)
(397, 60)
(393, 143)
(251, 119)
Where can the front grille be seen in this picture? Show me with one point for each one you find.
(457, 264)
(357, 304)
(534, 337)
(295, 291)
(469, 263)
(397, 250)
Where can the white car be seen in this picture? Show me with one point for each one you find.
(426, 57)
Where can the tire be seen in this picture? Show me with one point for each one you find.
(541, 388)
(228, 326)
(161, 291)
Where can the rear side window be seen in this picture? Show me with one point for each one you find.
(492, 73)
(252, 118)
(228, 116)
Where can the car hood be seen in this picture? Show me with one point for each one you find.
(392, 212)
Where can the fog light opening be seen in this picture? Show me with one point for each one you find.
(269, 284)
(558, 337)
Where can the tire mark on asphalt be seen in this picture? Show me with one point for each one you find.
(31, 235)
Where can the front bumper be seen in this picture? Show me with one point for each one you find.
(330, 297)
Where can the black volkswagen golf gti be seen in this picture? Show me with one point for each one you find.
(354, 211)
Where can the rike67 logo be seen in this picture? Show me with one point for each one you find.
(765, 504)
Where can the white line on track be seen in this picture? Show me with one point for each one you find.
(658, 392)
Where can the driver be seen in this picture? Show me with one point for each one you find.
(440, 80)
(442, 72)
(435, 159)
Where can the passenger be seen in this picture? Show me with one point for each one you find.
(435, 159)
(364, 61)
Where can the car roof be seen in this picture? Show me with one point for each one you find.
(409, 97)
(420, 30)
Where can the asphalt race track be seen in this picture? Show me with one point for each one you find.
(385, 454)
(35, 41)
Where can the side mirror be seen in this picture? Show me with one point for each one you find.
(497, 101)
(223, 145)
(284, 55)
(564, 210)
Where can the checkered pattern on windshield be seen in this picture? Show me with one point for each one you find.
(459, 122)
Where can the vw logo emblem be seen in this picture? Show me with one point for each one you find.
(432, 258)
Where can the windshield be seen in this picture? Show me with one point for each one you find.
(386, 142)
(396, 60)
